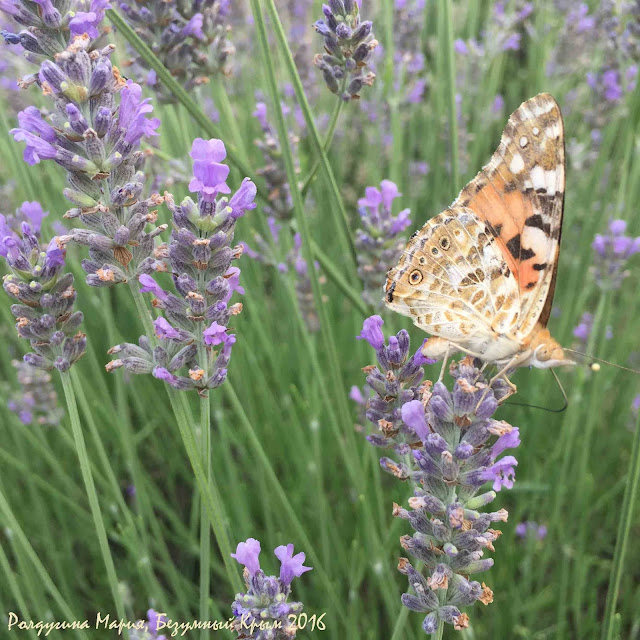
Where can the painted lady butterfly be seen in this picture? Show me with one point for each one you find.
(480, 276)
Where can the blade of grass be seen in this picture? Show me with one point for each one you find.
(92, 495)
(624, 528)
(334, 191)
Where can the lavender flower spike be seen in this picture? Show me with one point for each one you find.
(52, 25)
(349, 44)
(448, 445)
(45, 295)
(194, 342)
(95, 136)
(37, 401)
(381, 239)
(190, 38)
(612, 252)
(263, 612)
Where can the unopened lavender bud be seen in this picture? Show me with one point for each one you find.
(137, 365)
(102, 121)
(121, 236)
(479, 566)
(51, 74)
(31, 43)
(480, 501)
(362, 32)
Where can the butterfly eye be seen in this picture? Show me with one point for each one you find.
(415, 277)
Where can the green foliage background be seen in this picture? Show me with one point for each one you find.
(286, 460)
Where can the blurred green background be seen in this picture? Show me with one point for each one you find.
(288, 462)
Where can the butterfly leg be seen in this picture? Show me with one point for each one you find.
(444, 362)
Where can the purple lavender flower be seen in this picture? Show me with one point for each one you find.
(612, 253)
(149, 631)
(445, 444)
(193, 333)
(45, 295)
(263, 612)
(381, 239)
(96, 138)
(209, 172)
(349, 44)
(190, 38)
(533, 529)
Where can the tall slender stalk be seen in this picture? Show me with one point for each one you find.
(92, 495)
(622, 538)
(447, 48)
(334, 190)
(205, 532)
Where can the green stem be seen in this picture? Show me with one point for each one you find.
(281, 38)
(439, 633)
(206, 486)
(85, 468)
(306, 185)
(451, 95)
(335, 274)
(205, 533)
(208, 491)
(10, 521)
(622, 540)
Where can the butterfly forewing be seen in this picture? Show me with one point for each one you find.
(520, 193)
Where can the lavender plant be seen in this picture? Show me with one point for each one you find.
(612, 252)
(45, 295)
(268, 253)
(380, 241)
(51, 25)
(530, 529)
(95, 135)
(445, 442)
(262, 613)
(190, 38)
(36, 400)
(349, 43)
(199, 257)
(280, 204)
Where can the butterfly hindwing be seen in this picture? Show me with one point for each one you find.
(453, 280)
(520, 194)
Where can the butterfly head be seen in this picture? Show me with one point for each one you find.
(547, 353)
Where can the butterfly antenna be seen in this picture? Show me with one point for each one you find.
(596, 367)
(537, 406)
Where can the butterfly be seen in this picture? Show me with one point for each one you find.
(480, 276)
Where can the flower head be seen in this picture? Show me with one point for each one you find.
(209, 172)
(248, 554)
(291, 566)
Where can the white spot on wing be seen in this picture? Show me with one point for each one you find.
(538, 177)
(517, 163)
(523, 141)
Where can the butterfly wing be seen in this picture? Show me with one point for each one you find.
(454, 281)
(520, 194)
